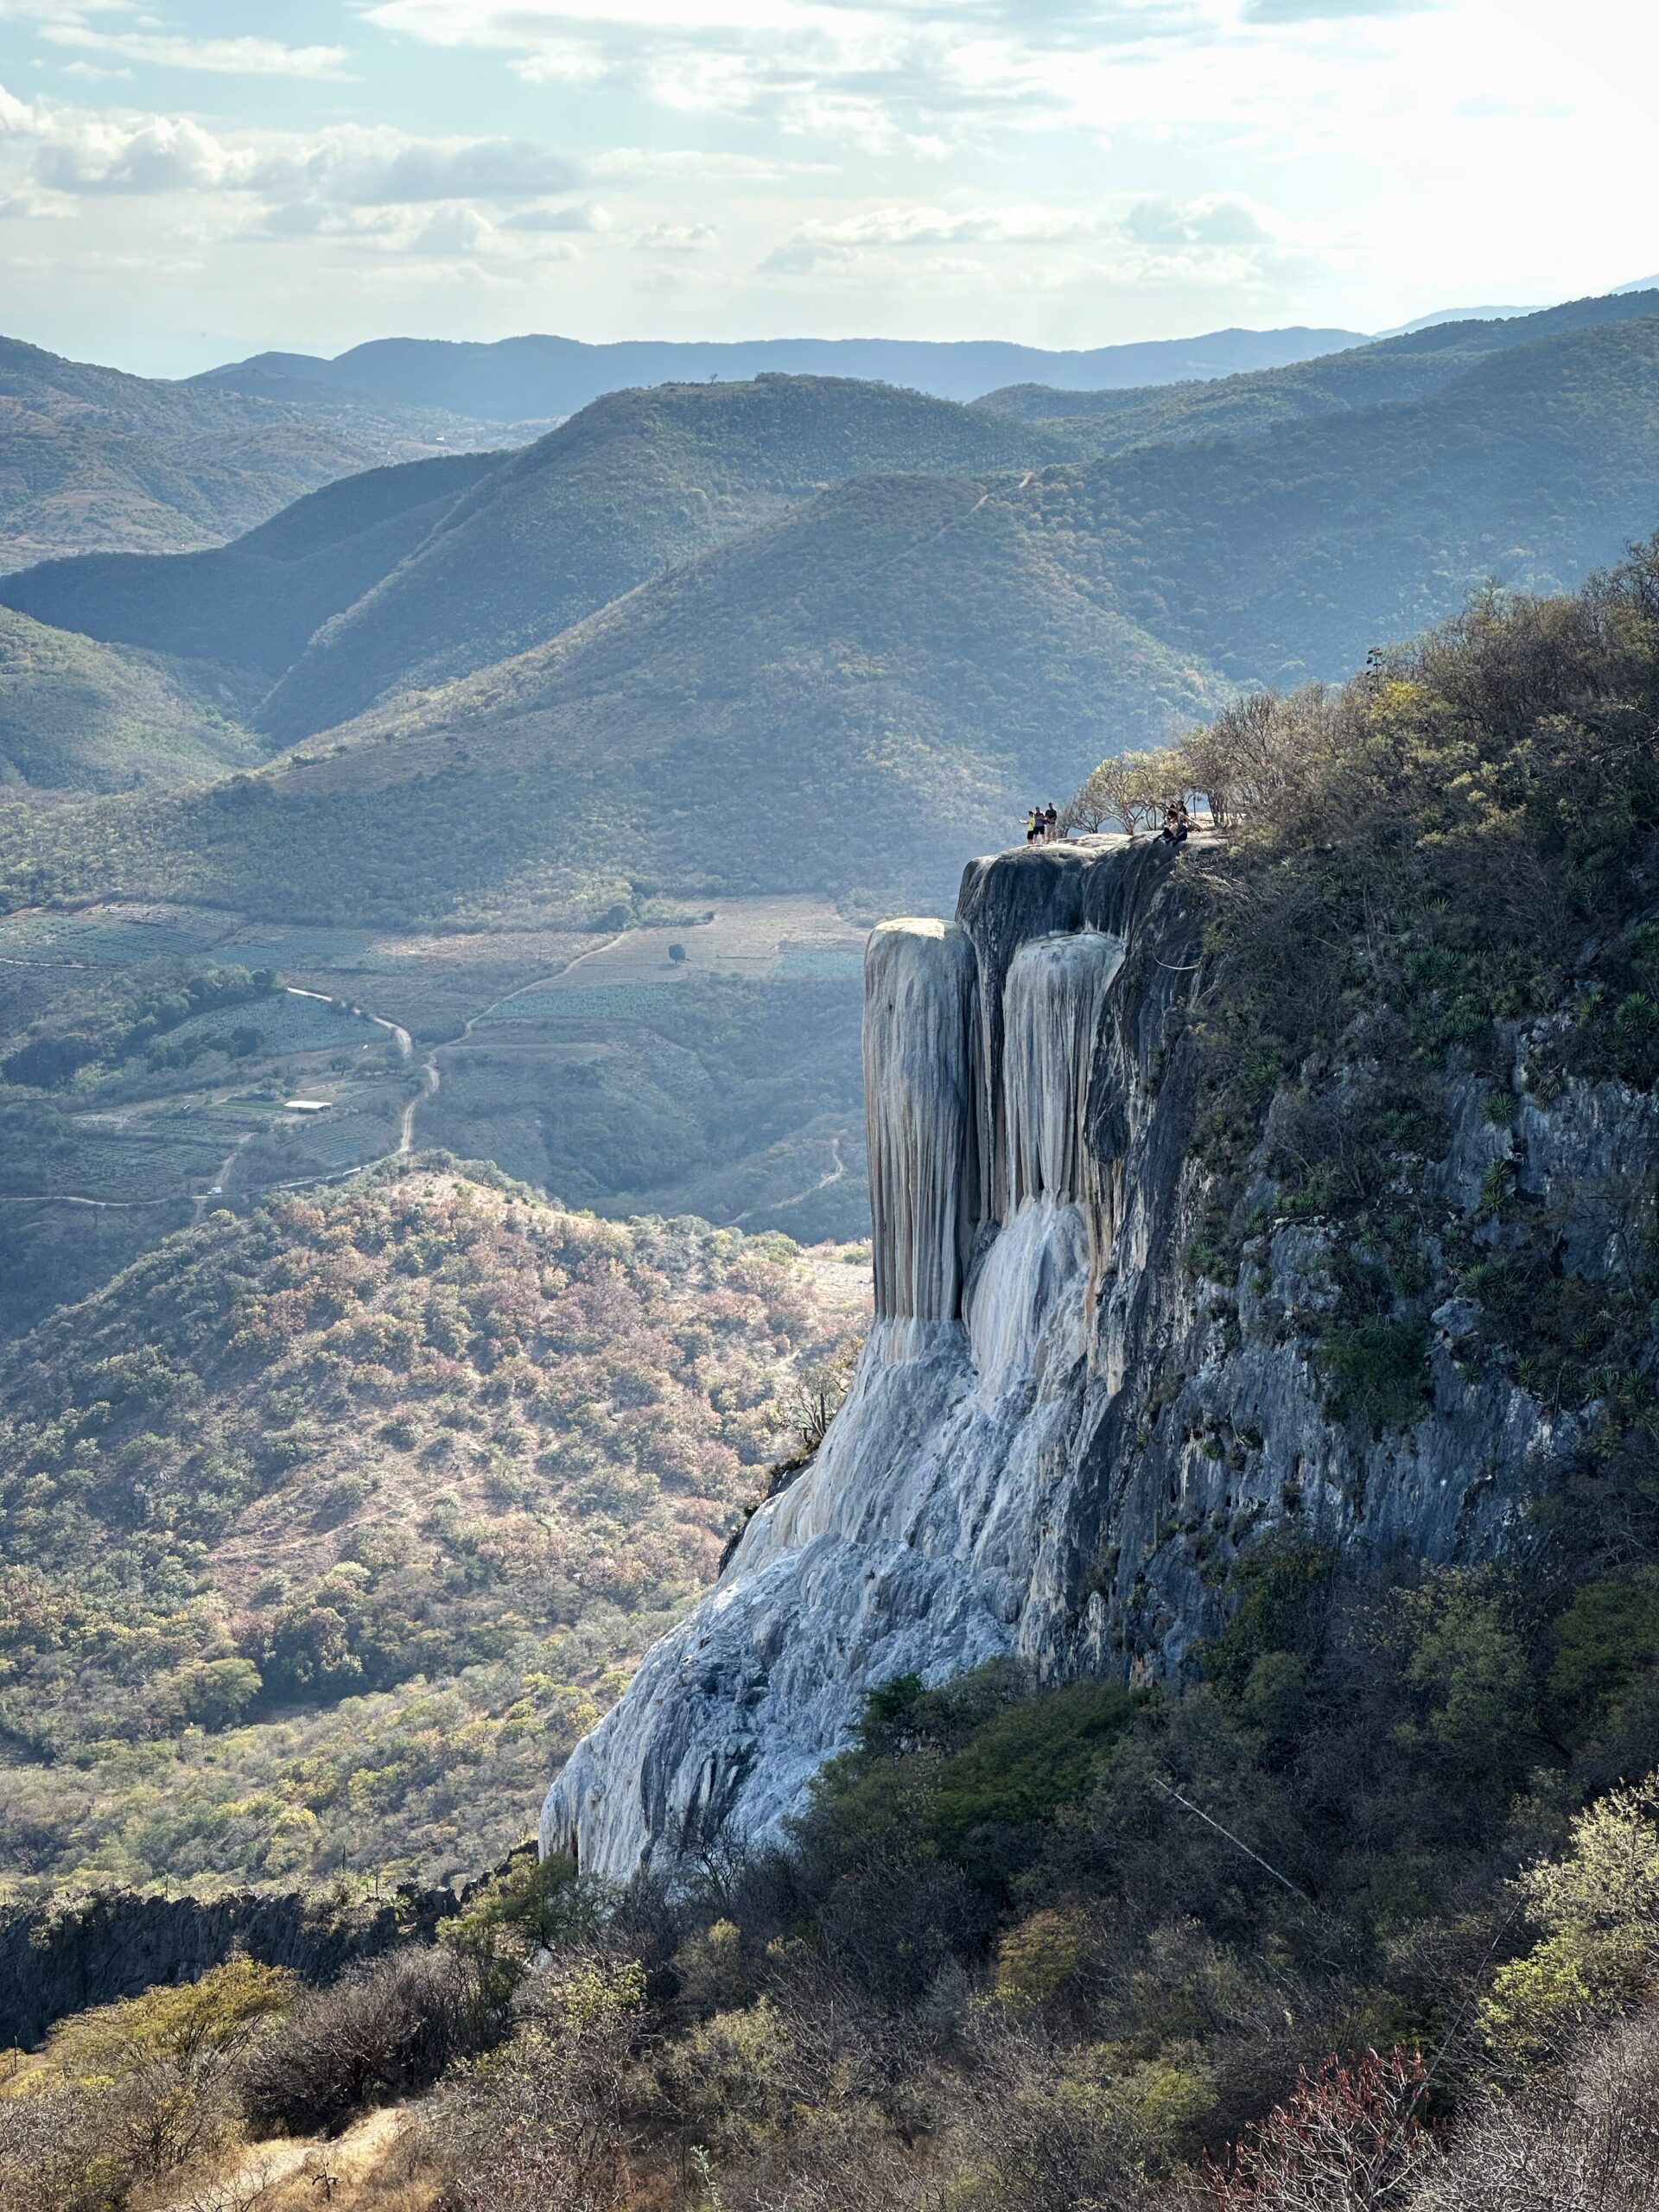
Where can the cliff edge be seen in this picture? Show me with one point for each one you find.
(1061, 1435)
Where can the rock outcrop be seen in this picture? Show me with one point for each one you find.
(1058, 1434)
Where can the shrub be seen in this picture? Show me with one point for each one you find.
(386, 2029)
(167, 2063)
(539, 2123)
(1348, 2137)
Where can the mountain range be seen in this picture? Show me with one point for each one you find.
(676, 612)
(515, 377)
(100, 461)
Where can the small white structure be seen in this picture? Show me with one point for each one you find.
(307, 1105)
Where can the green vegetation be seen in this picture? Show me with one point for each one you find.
(325, 1529)
(1288, 555)
(104, 462)
(1390, 371)
(1449, 854)
(634, 483)
(80, 717)
(647, 744)
(125, 1014)
(251, 605)
(1343, 1921)
(852, 692)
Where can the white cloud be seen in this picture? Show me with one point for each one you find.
(88, 152)
(873, 74)
(1152, 232)
(382, 168)
(81, 153)
(676, 237)
(542, 221)
(229, 57)
(1222, 218)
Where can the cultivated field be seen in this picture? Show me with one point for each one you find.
(720, 1079)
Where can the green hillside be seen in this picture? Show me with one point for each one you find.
(635, 482)
(97, 462)
(323, 1530)
(253, 604)
(1291, 553)
(76, 715)
(1411, 367)
(854, 695)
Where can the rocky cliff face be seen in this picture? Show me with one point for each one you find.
(1059, 1436)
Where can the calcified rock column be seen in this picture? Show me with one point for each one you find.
(918, 994)
(1054, 1011)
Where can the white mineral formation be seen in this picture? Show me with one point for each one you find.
(913, 1542)
(918, 996)
(1056, 1423)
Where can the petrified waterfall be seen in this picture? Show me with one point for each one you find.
(1057, 1430)
(918, 989)
(918, 1538)
(1054, 1010)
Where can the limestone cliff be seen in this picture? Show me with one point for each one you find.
(1059, 1436)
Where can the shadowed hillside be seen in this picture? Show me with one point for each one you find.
(75, 715)
(252, 604)
(100, 461)
(1291, 553)
(854, 694)
(635, 482)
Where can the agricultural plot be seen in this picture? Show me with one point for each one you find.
(605, 1070)
(115, 936)
(288, 1023)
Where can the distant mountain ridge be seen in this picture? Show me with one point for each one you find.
(515, 378)
(1409, 364)
(97, 462)
(410, 576)
(877, 679)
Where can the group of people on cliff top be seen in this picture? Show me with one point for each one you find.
(1042, 824)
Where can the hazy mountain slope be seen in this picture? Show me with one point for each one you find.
(254, 602)
(76, 715)
(858, 692)
(636, 481)
(518, 378)
(1291, 553)
(97, 462)
(1408, 367)
(425, 1443)
(854, 694)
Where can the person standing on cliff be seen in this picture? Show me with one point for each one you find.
(1051, 822)
(1034, 826)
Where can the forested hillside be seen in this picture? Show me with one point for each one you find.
(1409, 366)
(99, 461)
(847, 696)
(252, 605)
(635, 483)
(1291, 553)
(853, 693)
(322, 1529)
(76, 715)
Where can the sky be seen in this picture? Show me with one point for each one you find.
(190, 182)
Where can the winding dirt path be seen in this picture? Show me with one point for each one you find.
(432, 1081)
(776, 1205)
